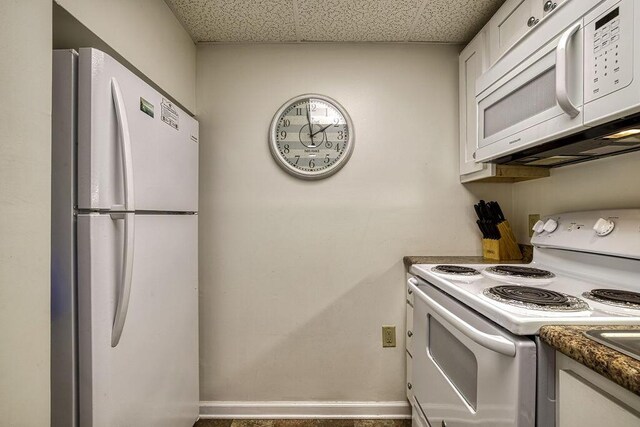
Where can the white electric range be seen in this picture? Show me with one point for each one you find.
(477, 359)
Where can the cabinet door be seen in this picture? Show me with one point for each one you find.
(409, 386)
(510, 23)
(409, 334)
(582, 404)
(472, 63)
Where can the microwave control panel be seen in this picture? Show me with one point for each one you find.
(609, 51)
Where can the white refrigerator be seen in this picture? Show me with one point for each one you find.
(124, 281)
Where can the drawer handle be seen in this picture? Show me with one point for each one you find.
(410, 291)
(409, 386)
(409, 334)
(549, 6)
(532, 21)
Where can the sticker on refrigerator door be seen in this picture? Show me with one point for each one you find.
(169, 114)
(146, 107)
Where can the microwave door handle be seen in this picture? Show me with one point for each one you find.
(495, 343)
(562, 91)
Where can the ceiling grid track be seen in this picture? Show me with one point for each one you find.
(296, 19)
(416, 19)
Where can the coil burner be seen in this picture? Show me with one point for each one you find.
(520, 271)
(456, 270)
(535, 298)
(616, 297)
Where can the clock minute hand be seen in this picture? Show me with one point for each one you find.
(310, 127)
(321, 130)
(309, 121)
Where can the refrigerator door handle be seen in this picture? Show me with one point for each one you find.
(124, 138)
(122, 306)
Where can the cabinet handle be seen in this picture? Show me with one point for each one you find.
(549, 6)
(409, 386)
(409, 334)
(410, 291)
(532, 21)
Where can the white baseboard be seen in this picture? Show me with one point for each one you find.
(305, 409)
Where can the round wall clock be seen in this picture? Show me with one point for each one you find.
(311, 136)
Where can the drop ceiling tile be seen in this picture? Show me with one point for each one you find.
(453, 21)
(356, 20)
(237, 20)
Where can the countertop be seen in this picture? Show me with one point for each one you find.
(527, 253)
(617, 367)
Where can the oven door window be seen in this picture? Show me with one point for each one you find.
(456, 362)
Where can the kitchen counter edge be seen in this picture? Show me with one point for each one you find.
(527, 254)
(571, 341)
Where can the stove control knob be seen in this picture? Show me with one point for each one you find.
(550, 226)
(603, 227)
(538, 227)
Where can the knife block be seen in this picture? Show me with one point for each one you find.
(504, 249)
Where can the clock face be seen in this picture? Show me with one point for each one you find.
(311, 136)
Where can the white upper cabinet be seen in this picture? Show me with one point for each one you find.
(513, 20)
(472, 63)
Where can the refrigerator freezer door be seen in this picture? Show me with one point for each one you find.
(128, 133)
(151, 376)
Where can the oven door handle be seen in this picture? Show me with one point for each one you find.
(495, 343)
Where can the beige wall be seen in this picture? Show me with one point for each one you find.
(608, 183)
(296, 277)
(25, 85)
(147, 34)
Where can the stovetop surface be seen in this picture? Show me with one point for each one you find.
(471, 290)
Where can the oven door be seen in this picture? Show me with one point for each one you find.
(467, 371)
(539, 100)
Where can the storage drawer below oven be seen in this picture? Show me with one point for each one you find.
(467, 371)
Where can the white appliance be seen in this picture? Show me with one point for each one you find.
(563, 93)
(124, 282)
(477, 360)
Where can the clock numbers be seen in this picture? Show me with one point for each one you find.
(283, 134)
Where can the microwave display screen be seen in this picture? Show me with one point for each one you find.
(608, 17)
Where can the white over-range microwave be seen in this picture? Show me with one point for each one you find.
(568, 91)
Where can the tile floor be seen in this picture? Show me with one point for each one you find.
(303, 423)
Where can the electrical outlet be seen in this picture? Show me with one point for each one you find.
(533, 218)
(388, 336)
